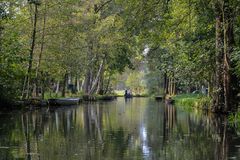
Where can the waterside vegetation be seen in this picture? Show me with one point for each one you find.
(198, 101)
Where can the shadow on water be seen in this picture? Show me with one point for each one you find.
(134, 129)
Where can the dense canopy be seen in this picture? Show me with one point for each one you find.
(176, 46)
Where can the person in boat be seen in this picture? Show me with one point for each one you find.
(128, 93)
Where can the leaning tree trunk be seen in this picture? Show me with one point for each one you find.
(41, 50)
(107, 86)
(100, 83)
(26, 89)
(95, 82)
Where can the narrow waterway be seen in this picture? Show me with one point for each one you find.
(136, 129)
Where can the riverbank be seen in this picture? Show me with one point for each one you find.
(200, 102)
(190, 101)
(38, 102)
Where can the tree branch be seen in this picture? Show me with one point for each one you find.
(98, 8)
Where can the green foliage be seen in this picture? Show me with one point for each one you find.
(11, 58)
(136, 82)
(185, 49)
(193, 101)
(154, 83)
(72, 38)
(234, 120)
(76, 37)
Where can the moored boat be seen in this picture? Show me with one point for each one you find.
(170, 101)
(159, 98)
(128, 96)
(63, 101)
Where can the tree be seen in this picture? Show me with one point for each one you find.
(226, 88)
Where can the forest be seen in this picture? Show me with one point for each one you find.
(51, 46)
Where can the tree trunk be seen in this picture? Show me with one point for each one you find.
(174, 87)
(225, 93)
(170, 85)
(218, 93)
(57, 88)
(64, 85)
(41, 49)
(165, 84)
(29, 71)
(227, 50)
(87, 81)
(78, 85)
(108, 83)
(82, 85)
(100, 83)
(43, 88)
(95, 82)
(230, 80)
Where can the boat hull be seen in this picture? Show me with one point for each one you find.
(128, 96)
(63, 101)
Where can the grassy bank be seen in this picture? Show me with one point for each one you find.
(120, 93)
(192, 101)
(48, 95)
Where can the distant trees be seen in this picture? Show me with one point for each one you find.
(192, 44)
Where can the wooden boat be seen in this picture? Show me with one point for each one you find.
(36, 102)
(170, 101)
(128, 96)
(63, 101)
(159, 98)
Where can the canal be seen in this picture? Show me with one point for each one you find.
(137, 129)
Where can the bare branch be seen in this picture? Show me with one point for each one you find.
(98, 8)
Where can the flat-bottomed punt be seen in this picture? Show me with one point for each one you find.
(128, 96)
(63, 101)
(159, 98)
(170, 101)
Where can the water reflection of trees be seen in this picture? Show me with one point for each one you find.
(93, 121)
(186, 135)
(66, 132)
(169, 120)
(221, 136)
(108, 131)
(108, 143)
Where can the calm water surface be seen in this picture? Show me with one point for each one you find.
(138, 129)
